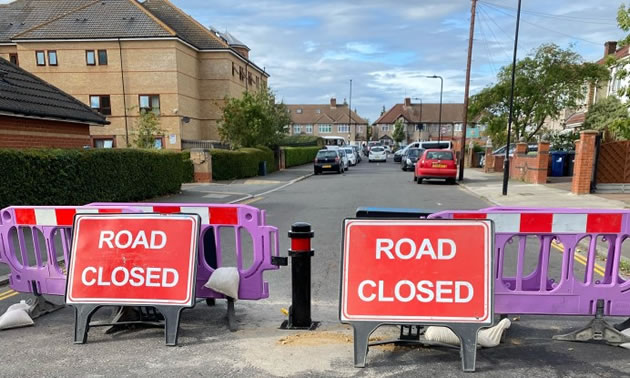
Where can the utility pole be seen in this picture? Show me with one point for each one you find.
(506, 162)
(471, 35)
(350, 114)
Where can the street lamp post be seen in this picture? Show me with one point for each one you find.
(441, 92)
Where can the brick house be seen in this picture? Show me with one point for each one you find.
(327, 120)
(33, 113)
(119, 56)
(422, 122)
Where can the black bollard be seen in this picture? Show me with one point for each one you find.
(301, 254)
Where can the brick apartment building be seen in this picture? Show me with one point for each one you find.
(422, 122)
(33, 113)
(120, 56)
(327, 120)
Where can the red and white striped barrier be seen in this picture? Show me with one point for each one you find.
(215, 214)
(54, 216)
(528, 222)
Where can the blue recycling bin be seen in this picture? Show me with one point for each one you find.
(558, 163)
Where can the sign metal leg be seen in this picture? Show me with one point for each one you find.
(171, 323)
(82, 315)
(362, 332)
(468, 339)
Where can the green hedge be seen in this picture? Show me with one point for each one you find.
(242, 163)
(77, 177)
(188, 172)
(301, 141)
(299, 155)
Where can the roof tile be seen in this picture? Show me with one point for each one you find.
(23, 93)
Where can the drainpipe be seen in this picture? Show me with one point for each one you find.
(122, 75)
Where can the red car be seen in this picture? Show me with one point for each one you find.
(436, 164)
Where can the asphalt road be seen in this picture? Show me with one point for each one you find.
(259, 348)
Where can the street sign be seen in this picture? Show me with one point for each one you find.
(417, 272)
(132, 259)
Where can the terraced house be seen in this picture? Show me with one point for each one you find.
(121, 56)
(327, 120)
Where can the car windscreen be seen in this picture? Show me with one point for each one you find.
(349, 151)
(377, 149)
(439, 155)
(326, 154)
(414, 152)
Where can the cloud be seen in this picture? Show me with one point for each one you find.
(312, 48)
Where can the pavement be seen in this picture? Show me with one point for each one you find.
(557, 194)
(260, 348)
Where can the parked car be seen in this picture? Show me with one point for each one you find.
(410, 158)
(328, 160)
(388, 149)
(377, 153)
(399, 154)
(344, 158)
(352, 157)
(372, 144)
(436, 164)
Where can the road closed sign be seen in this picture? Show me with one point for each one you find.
(133, 259)
(417, 271)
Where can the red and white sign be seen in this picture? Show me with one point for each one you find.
(417, 271)
(133, 259)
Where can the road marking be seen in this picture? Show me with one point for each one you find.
(597, 268)
(251, 200)
(8, 294)
(215, 195)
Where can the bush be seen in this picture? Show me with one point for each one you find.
(302, 141)
(77, 177)
(188, 172)
(241, 163)
(299, 155)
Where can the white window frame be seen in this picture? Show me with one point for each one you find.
(308, 129)
(343, 128)
(325, 129)
(384, 128)
(297, 129)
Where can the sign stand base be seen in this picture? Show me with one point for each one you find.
(467, 334)
(83, 314)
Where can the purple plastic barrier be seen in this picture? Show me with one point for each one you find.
(536, 293)
(32, 238)
(213, 251)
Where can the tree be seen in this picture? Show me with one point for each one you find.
(619, 65)
(399, 131)
(254, 119)
(609, 114)
(147, 129)
(547, 81)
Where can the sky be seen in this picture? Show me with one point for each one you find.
(313, 48)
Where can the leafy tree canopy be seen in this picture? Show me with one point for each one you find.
(399, 131)
(147, 129)
(254, 119)
(547, 81)
(609, 114)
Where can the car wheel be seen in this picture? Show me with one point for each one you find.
(450, 181)
(315, 172)
(415, 178)
(340, 170)
(419, 180)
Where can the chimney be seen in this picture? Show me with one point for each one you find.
(333, 103)
(407, 101)
(610, 47)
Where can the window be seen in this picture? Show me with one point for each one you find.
(101, 104)
(384, 128)
(325, 129)
(257, 81)
(150, 103)
(297, 129)
(308, 129)
(158, 143)
(13, 58)
(102, 57)
(41, 58)
(103, 142)
(318, 111)
(233, 69)
(359, 129)
(343, 128)
(90, 57)
(52, 57)
(298, 110)
(241, 75)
